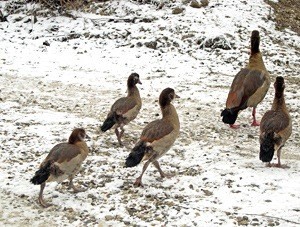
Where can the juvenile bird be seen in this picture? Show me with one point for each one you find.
(63, 162)
(157, 137)
(249, 86)
(124, 109)
(276, 126)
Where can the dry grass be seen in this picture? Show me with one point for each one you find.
(65, 4)
(287, 14)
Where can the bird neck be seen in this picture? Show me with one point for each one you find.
(169, 112)
(256, 61)
(279, 101)
(133, 91)
(83, 147)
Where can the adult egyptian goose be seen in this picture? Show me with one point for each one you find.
(124, 109)
(276, 126)
(157, 137)
(63, 162)
(249, 86)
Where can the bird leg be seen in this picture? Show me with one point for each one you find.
(234, 126)
(41, 200)
(71, 185)
(119, 135)
(138, 181)
(269, 164)
(278, 164)
(162, 174)
(254, 123)
(278, 159)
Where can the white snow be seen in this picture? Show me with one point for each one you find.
(46, 91)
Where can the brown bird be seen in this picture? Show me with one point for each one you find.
(157, 137)
(124, 109)
(63, 162)
(276, 126)
(249, 86)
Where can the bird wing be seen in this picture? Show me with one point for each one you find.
(244, 85)
(63, 152)
(156, 130)
(122, 105)
(274, 121)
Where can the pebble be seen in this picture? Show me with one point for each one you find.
(177, 10)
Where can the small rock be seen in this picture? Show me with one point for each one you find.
(131, 211)
(139, 44)
(2, 17)
(195, 4)
(218, 42)
(204, 2)
(250, 136)
(243, 220)
(109, 217)
(46, 43)
(151, 45)
(207, 192)
(91, 196)
(177, 10)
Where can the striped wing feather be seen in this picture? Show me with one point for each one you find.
(244, 85)
(156, 130)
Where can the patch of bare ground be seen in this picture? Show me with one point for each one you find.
(287, 14)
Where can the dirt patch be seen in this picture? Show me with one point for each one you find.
(287, 14)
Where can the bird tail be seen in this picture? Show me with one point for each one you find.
(42, 174)
(136, 155)
(108, 123)
(267, 147)
(229, 116)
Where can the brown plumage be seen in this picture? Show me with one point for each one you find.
(157, 137)
(249, 86)
(63, 162)
(276, 126)
(124, 109)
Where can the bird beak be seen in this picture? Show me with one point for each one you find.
(177, 96)
(88, 137)
(139, 82)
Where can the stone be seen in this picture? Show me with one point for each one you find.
(204, 2)
(177, 10)
(151, 44)
(195, 4)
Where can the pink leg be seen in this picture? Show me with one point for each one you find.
(254, 123)
(162, 174)
(41, 199)
(138, 181)
(119, 135)
(234, 126)
(278, 156)
(278, 164)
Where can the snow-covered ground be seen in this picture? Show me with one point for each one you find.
(61, 73)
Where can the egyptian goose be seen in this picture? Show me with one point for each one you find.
(276, 126)
(157, 137)
(63, 162)
(249, 86)
(124, 109)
